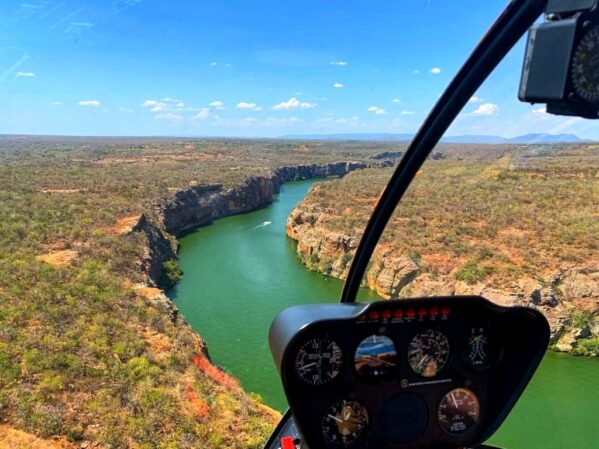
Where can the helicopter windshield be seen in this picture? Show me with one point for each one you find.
(175, 175)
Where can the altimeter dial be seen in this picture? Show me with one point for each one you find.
(318, 361)
(428, 353)
(585, 67)
(344, 423)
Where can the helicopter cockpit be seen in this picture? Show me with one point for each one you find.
(439, 372)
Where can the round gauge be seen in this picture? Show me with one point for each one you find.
(428, 353)
(344, 423)
(459, 411)
(585, 66)
(318, 361)
(375, 356)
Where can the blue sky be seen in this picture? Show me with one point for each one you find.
(251, 68)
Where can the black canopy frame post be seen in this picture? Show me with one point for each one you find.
(509, 27)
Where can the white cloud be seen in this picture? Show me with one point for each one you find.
(213, 64)
(248, 105)
(396, 101)
(90, 103)
(216, 104)
(376, 110)
(56, 103)
(416, 72)
(159, 107)
(148, 103)
(339, 63)
(126, 110)
(203, 114)
(475, 99)
(338, 85)
(435, 70)
(24, 75)
(539, 111)
(487, 109)
(293, 103)
(407, 112)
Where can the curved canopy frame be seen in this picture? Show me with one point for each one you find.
(509, 27)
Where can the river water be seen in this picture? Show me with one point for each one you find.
(241, 271)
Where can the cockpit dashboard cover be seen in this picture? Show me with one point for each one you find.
(420, 373)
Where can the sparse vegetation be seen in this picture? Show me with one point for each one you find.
(494, 214)
(513, 223)
(83, 354)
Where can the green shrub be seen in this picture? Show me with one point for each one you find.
(171, 273)
(581, 319)
(587, 348)
(473, 272)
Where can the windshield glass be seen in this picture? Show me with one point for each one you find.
(175, 174)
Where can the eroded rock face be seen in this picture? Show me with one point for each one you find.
(560, 296)
(161, 247)
(201, 204)
(390, 273)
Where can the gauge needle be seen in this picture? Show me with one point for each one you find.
(454, 401)
(346, 414)
(422, 360)
(305, 367)
(335, 418)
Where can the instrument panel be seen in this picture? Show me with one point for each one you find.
(418, 373)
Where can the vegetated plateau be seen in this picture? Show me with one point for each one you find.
(92, 353)
(517, 224)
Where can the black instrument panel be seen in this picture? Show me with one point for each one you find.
(418, 373)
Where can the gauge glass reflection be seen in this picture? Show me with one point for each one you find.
(375, 356)
(428, 353)
(344, 423)
(459, 411)
(318, 361)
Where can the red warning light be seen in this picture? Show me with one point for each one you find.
(398, 313)
(287, 442)
(411, 313)
(445, 311)
(362, 317)
(373, 315)
(386, 314)
(422, 312)
(434, 311)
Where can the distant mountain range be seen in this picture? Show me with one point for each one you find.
(482, 139)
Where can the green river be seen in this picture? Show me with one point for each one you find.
(241, 271)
